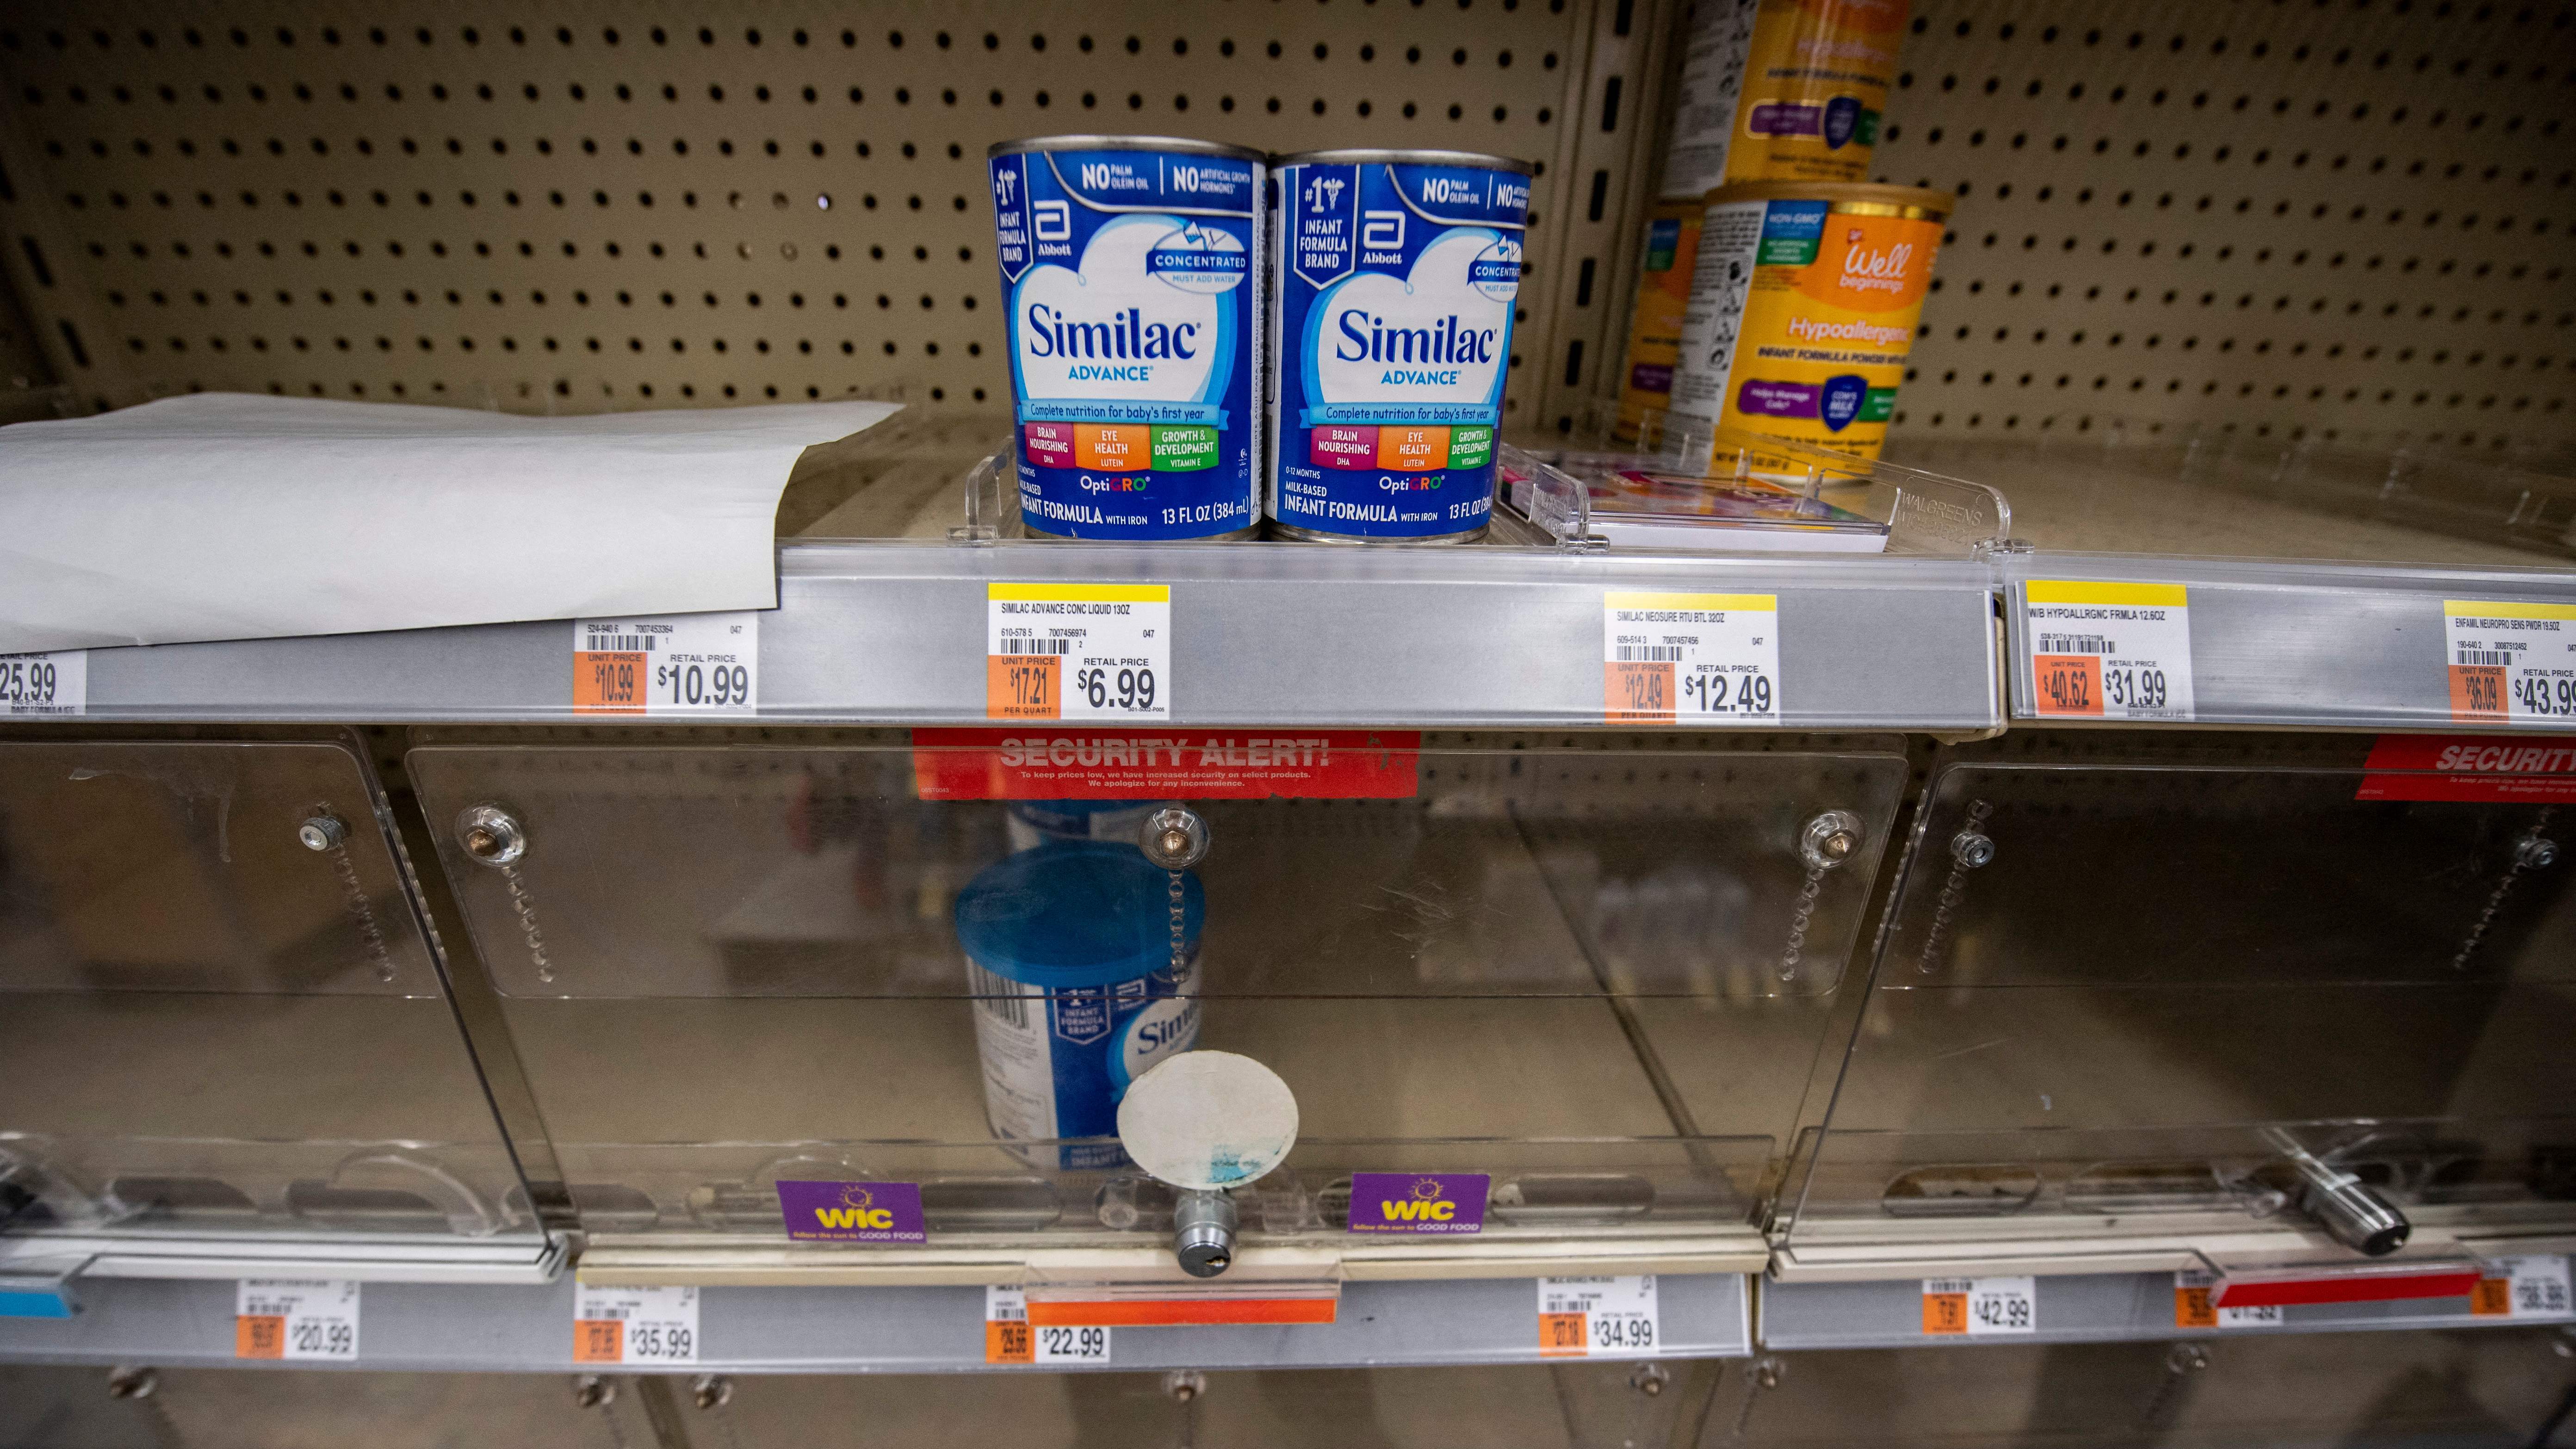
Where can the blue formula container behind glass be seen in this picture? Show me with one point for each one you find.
(1397, 275)
(1069, 953)
(1132, 271)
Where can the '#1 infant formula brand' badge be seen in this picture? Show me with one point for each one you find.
(852, 1212)
(1418, 1202)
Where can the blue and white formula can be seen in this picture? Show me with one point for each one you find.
(1132, 270)
(1398, 271)
(1070, 956)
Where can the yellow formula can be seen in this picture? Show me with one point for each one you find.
(1663, 295)
(1803, 306)
(1814, 84)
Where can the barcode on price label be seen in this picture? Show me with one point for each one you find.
(1598, 1318)
(1979, 1306)
(667, 664)
(2108, 650)
(295, 1319)
(1009, 1337)
(634, 1325)
(44, 686)
(2192, 1308)
(1078, 651)
(1693, 659)
(2534, 1286)
(2510, 663)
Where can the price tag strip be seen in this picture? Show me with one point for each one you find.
(1078, 651)
(667, 664)
(2192, 1308)
(295, 1319)
(44, 686)
(2524, 1287)
(2510, 663)
(1009, 1337)
(2108, 650)
(1694, 659)
(1598, 1318)
(1980, 1306)
(634, 1325)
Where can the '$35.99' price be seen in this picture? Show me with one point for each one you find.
(1130, 687)
(649, 1342)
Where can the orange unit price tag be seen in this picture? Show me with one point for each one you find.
(1945, 1305)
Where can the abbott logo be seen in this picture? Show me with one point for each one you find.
(1052, 220)
(1382, 231)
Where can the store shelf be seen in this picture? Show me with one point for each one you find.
(845, 1330)
(894, 633)
(2073, 1308)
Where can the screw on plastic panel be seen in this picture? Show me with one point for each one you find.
(322, 832)
(1972, 849)
(2186, 1358)
(1184, 1385)
(712, 1391)
(1175, 838)
(2536, 854)
(1830, 839)
(590, 1391)
(1650, 1379)
(132, 1381)
(491, 835)
(1769, 1370)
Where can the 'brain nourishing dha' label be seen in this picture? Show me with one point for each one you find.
(1803, 307)
(1131, 269)
(1397, 276)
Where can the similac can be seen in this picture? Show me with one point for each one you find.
(1132, 272)
(1392, 320)
(1804, 301)
(1655, 329)
(1070, 957)
(1032, 823)
(1815, 80)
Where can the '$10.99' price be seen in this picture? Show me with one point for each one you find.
(701, 686)
(1728, 694)
(1128, 687)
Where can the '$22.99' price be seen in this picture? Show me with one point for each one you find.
(1072, 1344)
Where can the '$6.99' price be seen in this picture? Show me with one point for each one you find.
(1129, 687)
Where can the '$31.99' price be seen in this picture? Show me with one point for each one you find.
(2134, 688)
(1728, 694)
(1128, 688)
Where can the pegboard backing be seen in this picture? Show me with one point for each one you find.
(597, 206)
(2348, 219)
(2296, 217)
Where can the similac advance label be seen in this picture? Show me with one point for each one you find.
(1394, 327)
(1057, 1062)
(1134, 323)
(1800, 319)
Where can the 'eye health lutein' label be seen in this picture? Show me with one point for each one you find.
(1397, 277)
(1132, 274)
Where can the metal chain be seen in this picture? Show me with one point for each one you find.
(1179, 952)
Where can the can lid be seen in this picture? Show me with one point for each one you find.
(1075, 913)
(1476, 159)
(1122, 143)
(1076, 807)
(1855, 196)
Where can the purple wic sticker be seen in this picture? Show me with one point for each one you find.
(852, 1212)
(1418, 1202)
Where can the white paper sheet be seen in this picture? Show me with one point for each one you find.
(237, 516)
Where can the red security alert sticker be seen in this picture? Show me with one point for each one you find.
(1040, 763)
(2469, 767)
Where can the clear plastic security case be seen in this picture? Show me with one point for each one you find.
(1601, 975)
(223, 1018)
(2123, 985)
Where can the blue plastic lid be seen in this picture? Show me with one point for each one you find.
(1071, 808)
(1075, 913)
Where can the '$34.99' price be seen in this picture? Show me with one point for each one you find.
(1130, 687)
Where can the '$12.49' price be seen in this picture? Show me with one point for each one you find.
(1129, 687)
(1728, 694)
